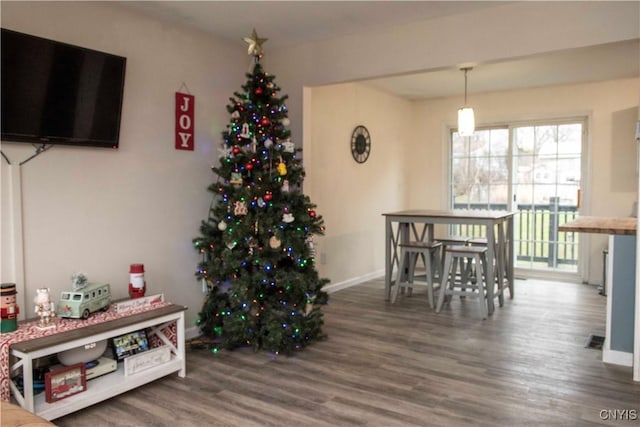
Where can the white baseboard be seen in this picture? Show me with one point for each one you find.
(334, 287)
(617, 357)
(191, 333)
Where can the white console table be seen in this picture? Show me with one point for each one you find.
(104, 387)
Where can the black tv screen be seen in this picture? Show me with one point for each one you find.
(56, 93)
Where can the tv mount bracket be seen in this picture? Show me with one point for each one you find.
(39, 150)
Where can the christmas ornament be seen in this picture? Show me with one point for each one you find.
(240, 208)
(310, 245)
(222, 226)
(285, 186)
(252, 245)
(245, 131)
(236, 178)
(258, 91)
(255, 44)
(282, 168)
(249, 166)
(224, 152)
(288, 146)
(312, 213)
(287, 218)
(232, 245)
(274, 242)
(268, 143)
(264, 121)
(235, 114)
(285, 121)
(254, 145)
(268, 196)
(261, 202)
(235, 150)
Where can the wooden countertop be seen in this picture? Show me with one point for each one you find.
(603, 225)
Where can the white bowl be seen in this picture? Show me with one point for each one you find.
(83, 354)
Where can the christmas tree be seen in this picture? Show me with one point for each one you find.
(263, 289)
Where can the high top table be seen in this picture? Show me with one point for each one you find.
(403, 226)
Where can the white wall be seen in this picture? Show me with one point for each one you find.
(98, 211)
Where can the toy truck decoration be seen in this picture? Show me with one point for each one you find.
(80, 303)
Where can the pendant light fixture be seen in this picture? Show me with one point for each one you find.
(466, 119)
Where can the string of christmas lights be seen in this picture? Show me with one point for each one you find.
(258, 254)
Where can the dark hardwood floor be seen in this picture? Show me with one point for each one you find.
(403, 365)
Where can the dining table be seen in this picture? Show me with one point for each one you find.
(404, 226)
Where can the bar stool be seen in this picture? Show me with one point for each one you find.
(430, 254)
(467, 285)
(477, 241)
(447, 241)
(452, 241)
(501, 281)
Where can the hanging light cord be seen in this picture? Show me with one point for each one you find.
(465, 69)
(465, 86)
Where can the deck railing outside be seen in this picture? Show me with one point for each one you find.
(537, 239)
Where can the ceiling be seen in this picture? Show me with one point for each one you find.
(289, 23)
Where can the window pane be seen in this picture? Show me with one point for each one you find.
(570, 139)
(524, 140)
(545, 139)
(499, 196)
(545, 179)
(499, 170)
(459, 146)
(569, 170)
(499, 143)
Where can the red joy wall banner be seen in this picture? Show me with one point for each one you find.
(185, 107)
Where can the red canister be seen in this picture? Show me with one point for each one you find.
(137, 284)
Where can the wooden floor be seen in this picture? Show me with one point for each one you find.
(403, 365)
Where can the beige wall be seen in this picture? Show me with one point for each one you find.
(508, 30)
(97, 211)
(352, 196)
(418, 142)
(611, 108)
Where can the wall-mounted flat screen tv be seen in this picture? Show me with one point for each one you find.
(56, 93)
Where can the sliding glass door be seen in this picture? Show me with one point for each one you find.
(534, 169)
(547, 176)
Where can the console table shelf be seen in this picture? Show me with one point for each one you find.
(106, 386)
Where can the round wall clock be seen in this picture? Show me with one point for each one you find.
(360, 144)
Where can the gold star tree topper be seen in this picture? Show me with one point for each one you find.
(255, 44)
